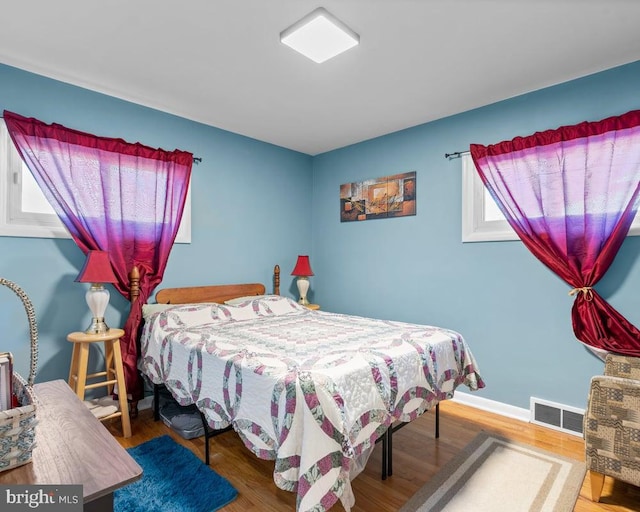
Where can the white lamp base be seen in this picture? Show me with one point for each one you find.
(303, 288)
(97, 299)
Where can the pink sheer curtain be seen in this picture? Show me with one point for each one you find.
(122, 198)
(571, 195)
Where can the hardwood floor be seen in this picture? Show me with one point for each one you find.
(417, 457)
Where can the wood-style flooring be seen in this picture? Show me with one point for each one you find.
(417, 457)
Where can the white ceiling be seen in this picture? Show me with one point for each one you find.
(220, 62)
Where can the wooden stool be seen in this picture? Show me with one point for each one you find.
(114, 372)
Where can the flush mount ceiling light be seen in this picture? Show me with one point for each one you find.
(319, 36)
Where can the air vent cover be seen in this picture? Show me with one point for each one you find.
(556, 416)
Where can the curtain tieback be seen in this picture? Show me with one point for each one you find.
(586, 292)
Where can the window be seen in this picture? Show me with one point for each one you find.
(482, 220)
(24, 210)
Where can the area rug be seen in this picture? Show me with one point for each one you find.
(493, 474)
(173, 479)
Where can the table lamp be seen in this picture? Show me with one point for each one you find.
(303, 271)
(97, 270)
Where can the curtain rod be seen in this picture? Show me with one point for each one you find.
(196, 159)
(456, 154)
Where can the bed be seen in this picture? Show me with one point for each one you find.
(311, 390)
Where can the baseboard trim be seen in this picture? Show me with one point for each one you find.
(517, 413)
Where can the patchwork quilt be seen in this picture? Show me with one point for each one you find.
(311, 390)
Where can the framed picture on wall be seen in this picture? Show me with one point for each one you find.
(390, 196)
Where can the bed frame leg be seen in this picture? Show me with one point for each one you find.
(387, 444)
(208, 434)
(390, 456)
(385, 451)
(206, 438)
(156, 402)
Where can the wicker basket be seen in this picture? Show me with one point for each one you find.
(17, 425)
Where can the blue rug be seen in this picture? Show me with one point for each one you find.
(173, 480)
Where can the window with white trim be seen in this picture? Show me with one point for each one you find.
(24, 209)
(482, 220)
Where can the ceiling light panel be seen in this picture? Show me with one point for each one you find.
(319, 36)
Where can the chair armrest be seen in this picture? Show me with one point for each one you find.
(613, 401)
(618, 365)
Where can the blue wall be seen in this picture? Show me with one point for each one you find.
(514, 312)
(256, 204)
(249, 209)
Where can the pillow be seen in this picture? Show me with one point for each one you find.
(277, 305)
(193, 315)
(148, 310)
(238, 312)
(241, 300)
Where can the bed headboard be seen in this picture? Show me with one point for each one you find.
(214, 293)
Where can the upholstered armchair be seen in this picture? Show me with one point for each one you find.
(612, 423)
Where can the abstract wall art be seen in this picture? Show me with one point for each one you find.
(379, 198)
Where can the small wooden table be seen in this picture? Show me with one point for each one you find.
(73, 447)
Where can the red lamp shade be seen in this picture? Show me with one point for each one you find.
(97, 269)
(303, 267)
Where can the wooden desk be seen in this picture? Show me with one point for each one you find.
(73, 447)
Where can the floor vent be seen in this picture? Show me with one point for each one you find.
(556, 416)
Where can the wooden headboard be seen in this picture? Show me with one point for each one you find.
(215, 293)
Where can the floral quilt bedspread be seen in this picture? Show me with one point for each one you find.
(311, 390)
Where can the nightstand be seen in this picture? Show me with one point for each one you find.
(112, 374)
(312, 306)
